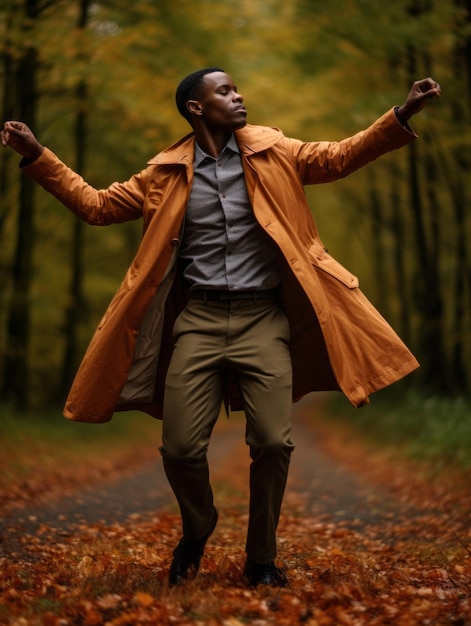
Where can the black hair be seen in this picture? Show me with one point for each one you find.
(189, 87)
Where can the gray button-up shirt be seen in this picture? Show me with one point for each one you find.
(223, 245)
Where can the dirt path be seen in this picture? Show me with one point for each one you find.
(320, 486)
(362, 540)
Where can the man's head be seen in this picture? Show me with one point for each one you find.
(209, 96)
(189, 89)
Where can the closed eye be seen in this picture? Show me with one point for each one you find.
(226, 89)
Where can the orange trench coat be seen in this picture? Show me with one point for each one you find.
(338, 339)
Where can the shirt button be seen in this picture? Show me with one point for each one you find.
(174, 242)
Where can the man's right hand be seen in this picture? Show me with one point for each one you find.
(18, 136)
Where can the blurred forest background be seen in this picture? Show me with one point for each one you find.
(96, 81)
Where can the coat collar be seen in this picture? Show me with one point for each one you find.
(251, 139)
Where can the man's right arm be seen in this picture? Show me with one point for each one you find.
(18, 136)
(119, 203)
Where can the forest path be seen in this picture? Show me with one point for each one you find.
(322, 485)
(363, 539)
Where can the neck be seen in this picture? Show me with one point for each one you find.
(212, 143)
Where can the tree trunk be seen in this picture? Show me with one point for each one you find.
(462, 161)
(8, 113)
(16, 368)
(401, 282)
(76, 304)
(378, 246)
(6, 158)
(427, 287)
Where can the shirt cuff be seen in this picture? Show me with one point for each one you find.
(24, 161)
(401, 121)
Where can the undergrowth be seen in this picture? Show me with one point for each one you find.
(34, 442)
(428, 428)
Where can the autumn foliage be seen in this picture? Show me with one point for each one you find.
(397, 553)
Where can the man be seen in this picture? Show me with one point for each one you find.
(231, 288)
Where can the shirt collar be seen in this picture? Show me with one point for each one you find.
(200, 155)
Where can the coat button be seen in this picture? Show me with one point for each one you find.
(174, 242)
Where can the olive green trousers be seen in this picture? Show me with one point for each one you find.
(251, 340)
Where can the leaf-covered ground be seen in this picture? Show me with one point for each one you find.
(363, 540)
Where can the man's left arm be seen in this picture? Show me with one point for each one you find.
(420, 93)
(327, 161)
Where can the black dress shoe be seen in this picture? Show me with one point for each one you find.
(264, 574)
(188, 554)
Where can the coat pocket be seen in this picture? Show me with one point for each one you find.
(323, 261)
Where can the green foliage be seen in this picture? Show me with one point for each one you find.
(429, 428)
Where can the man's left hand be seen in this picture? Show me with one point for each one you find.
(421, 91)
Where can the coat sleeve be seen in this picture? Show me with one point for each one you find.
(121, 202)
(326, 161)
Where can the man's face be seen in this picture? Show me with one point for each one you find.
(221, 104)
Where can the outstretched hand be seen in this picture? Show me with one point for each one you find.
(18, 136)
(421, 91)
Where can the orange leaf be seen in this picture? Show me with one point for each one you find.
(144, 599)
(110, 601)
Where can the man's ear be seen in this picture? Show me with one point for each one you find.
(194, 107)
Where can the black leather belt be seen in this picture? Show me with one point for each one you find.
(224, 296)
